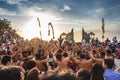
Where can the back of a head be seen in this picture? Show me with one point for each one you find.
(33, 74)
(59, 76)
(51, 77)
(109, 63)
(98, 68)
(30, 64)
(59, 56)
(5, 60)
(10, 73)
(83, 75)
(15, 73)
(102, 54)
(82, 56)
(5, 74)
(109, 52)
(65, 54)
(97, 72)
(67, 76)
(37, 56)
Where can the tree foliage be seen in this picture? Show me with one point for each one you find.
(6, 31)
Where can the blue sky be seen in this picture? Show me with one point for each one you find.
(64, 15)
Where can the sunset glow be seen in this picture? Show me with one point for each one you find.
(31, 28)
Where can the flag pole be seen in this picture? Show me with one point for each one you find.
(40, 28)
(103, 30)
(50, 25)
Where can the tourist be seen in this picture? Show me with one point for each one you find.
(6, 61)
(110, 73)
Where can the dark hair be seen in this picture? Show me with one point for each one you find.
(15, 73)
(66, 76)
(5, 74)
(109, 52)
(30, 64)
(83, 75)
(58, 56)
(97, 72)
(24, 53)
(11, 73)
(102, 54)
(65, 54)
(37, 56)
(51, 77)
(109, 63)
(94, 51)
(82, 56)
(29, 52)
(33, 74)
(79, 52)
(5, 59)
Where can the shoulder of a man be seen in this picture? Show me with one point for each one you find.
(111, 74)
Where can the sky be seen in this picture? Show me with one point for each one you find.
(64, 15)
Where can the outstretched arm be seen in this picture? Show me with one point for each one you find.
(95, 59)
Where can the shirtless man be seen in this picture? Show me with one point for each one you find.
(62, 61)
(83, 62)
(102, 56)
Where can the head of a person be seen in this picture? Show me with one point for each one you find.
(59, 56)
(6, 60)
(102, 54)
(33, 74)
(30, 64)
(65, 54)
(59, 76)
(38, 56)
(83, 75)
(15, 73)
(97, 72)
(109, 52)
(51, 77)
(67, 76)
(108, 64)
(82, 56)
(5, 74)
(10, 73)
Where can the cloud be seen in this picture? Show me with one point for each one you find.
(11, 2)
(36, 11)
(4, 12)
(99, 10)
(118, 18)
(29, 11)
(66, 8)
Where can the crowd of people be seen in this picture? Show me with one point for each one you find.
(42, 60)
